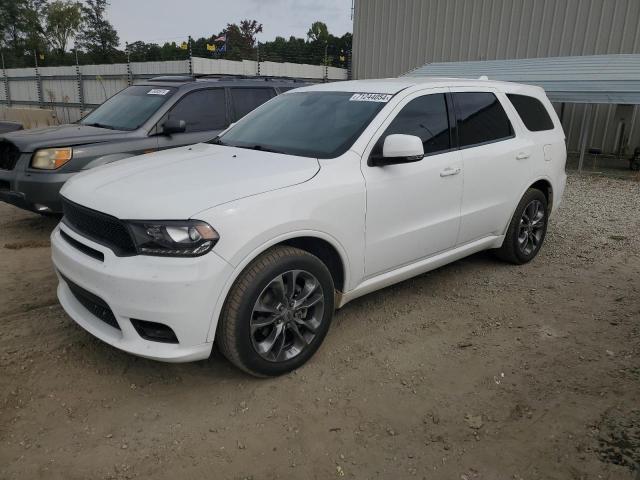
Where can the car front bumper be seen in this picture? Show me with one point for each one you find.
(180, 293)
(34, 191)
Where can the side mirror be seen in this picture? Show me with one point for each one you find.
(398, 148)
(171, 126)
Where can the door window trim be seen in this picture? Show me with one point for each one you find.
(398, 110)
(488, 142)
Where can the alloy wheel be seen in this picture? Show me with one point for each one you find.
(531, 227)
(287, 315)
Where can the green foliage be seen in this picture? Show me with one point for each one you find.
(318, 32)
(45, 28)
(64, 19)
(98, 37)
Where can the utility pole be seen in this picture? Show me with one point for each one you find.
(7, 92)
(326, 64)
(258, 57)
(129, 72)
(79, 84)
(190, 58)
(38, 80)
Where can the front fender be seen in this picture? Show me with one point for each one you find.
(239, 267)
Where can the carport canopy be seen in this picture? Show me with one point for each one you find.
(590, 79)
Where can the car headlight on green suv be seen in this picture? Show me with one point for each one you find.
(51, 158)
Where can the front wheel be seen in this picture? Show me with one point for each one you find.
(277, 312)
(527, 229)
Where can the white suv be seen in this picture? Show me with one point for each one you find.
(319, 196)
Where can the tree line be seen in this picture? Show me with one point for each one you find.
(61, 32)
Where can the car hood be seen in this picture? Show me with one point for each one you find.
(62, 136)
(178, 183)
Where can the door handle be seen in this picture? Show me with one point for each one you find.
(447, 172)
(522, 156)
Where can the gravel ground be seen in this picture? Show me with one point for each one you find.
(478, 370)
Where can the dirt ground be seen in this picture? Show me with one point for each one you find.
(478, 370)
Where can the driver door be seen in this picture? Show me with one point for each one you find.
(413, 209)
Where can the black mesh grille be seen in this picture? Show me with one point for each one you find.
(93, 303)
(9, 155)
(99, 227)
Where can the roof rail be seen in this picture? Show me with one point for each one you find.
(250, 77)
(172, 78)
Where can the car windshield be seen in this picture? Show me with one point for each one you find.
(129, 109)
(310, 124)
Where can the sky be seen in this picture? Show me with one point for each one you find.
(159, 21)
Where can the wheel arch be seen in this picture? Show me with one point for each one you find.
(324, 246)
(544, 185)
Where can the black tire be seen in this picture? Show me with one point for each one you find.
(635, 164)
(512, 249)
(234, 335)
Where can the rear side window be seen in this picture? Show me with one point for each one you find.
(481, 118)
(425, 117)
(246, 99)
(532, 112)
(202, 110)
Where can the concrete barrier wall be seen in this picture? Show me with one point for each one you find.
(29, 117)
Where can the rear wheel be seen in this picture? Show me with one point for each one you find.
(527, 229)
(277, 312)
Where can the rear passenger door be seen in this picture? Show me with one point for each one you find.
(245, 99)
(203, 111)
(496, 159)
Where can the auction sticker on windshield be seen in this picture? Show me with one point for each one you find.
(371, 97)
(158, 91)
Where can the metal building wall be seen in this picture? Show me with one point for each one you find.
(391, 37)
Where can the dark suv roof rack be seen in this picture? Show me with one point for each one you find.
(250, 77)
(172, 78)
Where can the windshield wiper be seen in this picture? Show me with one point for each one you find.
(100, 125)
(262, 148)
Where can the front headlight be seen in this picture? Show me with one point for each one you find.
(51, 158)
(190, 238)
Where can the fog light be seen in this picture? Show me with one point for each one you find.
(153, 331)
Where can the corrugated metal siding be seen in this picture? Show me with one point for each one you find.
(586, 79)
(391, 37)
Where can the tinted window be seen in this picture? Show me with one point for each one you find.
(310, 124)
(424, 117)
(532, 112)
(246, 99)
(130, 108)
(202, 110)
(481, 118)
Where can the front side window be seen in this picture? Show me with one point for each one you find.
(425, 117)
(532, 112)
(130, 108)
(481, 118)
(246, 99)
(311, 124)
(201, 110)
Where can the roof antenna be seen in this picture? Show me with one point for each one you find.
(483, 77)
